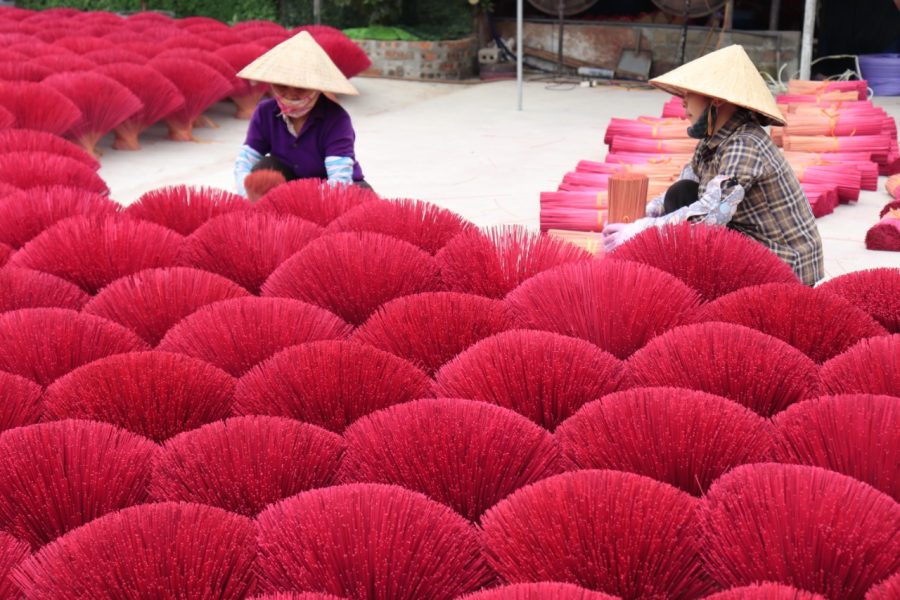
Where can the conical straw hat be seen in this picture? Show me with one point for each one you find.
(299, 62)
(727, 74)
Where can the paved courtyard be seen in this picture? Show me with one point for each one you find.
(466, 148)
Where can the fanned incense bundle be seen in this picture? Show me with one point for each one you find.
(885, 235)
(260, 182)
(627, 197)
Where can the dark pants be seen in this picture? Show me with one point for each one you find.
(271, 163)
(680, 194)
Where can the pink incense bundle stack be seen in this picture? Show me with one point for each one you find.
(892, 186)
(885, 235)
(835, 137)
(654, 147)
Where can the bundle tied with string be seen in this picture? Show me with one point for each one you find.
(664, 128)
(573, 211)
(807, 87)
(892, 186)
(627, 197)
(889, 207)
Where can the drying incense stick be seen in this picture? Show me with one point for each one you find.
(824, 98)
(834, 124)
(647, 127)
(879, 144)
(627, 197)
(805, 87)
(592, 242)
(663, 171)
(623, 143)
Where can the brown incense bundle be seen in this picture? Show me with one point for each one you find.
(260, 182)
(627, 197)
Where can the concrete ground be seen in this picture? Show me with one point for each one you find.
(466, 148)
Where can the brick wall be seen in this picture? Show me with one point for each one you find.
(443, 60)
(602, 44)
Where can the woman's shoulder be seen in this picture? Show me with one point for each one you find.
(265, 112)
(334, 114)
(266, 106)
(332, 109)
(751, 134)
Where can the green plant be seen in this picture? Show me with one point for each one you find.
(379, 12)
(381, 32)
(110, 5)
(246, 10)
(223, 10)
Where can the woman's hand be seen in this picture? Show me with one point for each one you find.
(616, 234)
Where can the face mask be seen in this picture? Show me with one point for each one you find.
(700, 130)
(297, 108)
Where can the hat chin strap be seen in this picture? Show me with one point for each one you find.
(712, 117)
(705, 124)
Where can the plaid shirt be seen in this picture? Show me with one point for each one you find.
(750, 187)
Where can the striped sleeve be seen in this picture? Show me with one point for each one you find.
(339, 169)
(247, 157)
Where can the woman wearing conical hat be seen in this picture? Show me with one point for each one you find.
(300, 131)
(737, 178)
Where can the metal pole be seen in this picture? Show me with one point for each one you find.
(806, 48)
(317, 11)
(520, 54)
(561, 9)
(774, 15)
(727, 22)
(684, 30)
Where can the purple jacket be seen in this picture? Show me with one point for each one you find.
(327, 132)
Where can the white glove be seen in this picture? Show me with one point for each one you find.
(616, 234)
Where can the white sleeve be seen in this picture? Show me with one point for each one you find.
(247, 157)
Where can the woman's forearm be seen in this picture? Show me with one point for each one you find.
(339, 169)
(247, 157)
